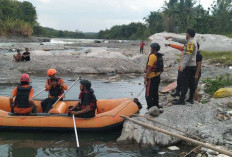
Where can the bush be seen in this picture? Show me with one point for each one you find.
(12, 27)
(212, 85)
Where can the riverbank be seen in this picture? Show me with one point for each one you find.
(123, 57)
(101, 58)
(208, 120)
(23, 39)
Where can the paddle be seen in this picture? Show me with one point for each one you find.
(38, 93)
(75, 129)
(140, 93)
(66, 91)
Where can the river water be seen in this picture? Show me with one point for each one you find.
(63, 144)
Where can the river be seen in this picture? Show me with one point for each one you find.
(63, 144)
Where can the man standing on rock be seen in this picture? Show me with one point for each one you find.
(142, 44)
(56, 88)
(187, 66)
(154, 68)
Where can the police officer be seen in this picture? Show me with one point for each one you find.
(154, 68)
(187, 66)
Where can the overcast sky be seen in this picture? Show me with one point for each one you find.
(95, 15)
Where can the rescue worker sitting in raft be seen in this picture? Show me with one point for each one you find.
(87, 102)
(56, 88)
(21, 97)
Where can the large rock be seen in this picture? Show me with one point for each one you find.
(198, 119)
(102, 58)
(208, 42)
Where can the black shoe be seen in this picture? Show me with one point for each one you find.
(178, 102)
(190, 101)
(175, 94)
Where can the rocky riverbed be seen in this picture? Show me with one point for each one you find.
(211, 121)
(124, 58)
(101, 58)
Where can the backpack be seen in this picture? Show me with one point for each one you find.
(159, 63)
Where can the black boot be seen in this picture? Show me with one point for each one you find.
(190, 101)
(179, 102)
(176, 93)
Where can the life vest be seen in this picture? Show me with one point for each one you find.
(22, 97)
(57, 90)
(92, 97)
(159, 65)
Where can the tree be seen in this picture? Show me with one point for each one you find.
(155, 22)
(222, 13)
(28, 12)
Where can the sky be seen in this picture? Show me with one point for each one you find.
(95, 15)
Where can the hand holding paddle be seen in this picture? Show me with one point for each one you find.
(66, 91)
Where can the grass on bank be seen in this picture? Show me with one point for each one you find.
(212, 85)
(11, 27)
(229, 35)
(223, 57)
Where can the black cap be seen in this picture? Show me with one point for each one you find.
(86, 83)
(155, 46)
(191, 32)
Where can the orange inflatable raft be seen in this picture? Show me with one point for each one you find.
(107, 116)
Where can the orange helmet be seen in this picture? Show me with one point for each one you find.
(24, 78)
(51, 72)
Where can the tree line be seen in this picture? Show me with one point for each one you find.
(20, 19)
(17, 18)
(176, 16)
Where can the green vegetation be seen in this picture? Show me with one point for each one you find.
(16, 18)
(19, 18)
(229, 35)
(224, 58)
(52, 33)
(219, 82)
(176, 16)
(131, 31)
(15, 28)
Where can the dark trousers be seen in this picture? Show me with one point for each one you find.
(141, 49)
(197, 80)
(188, 82)
(152, 95)
(89, 114)
(179, 81)
(47, 104)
